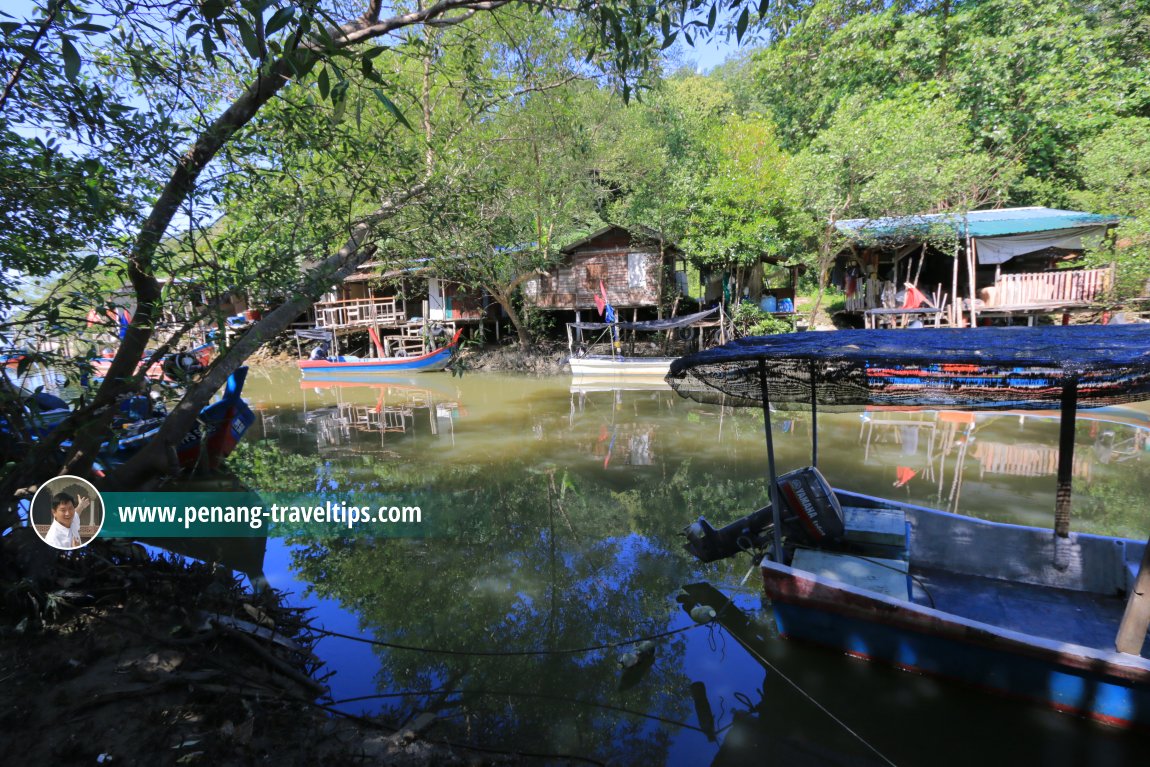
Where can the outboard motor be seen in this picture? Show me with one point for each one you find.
(181, 365)
(811, 515)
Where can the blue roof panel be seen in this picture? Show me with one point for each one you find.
(976, 223)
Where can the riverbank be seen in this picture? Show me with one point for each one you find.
(111, 656)
(544, 359)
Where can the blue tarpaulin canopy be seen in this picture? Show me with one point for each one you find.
(983, 368)
(999, 234)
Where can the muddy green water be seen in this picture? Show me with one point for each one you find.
(553, 513)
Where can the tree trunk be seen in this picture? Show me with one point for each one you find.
(332, 270)
(504, 300)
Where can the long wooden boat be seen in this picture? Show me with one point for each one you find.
(605, 366)
(358, 367)
(220, 427)
(1046, 615)
(618, 365)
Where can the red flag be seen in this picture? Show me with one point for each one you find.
(903, 474)
(601, 300)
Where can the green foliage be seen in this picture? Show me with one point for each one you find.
(1116, 173)
(750, 320)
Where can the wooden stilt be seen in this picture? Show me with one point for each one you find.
(955, 305)
(970, 266)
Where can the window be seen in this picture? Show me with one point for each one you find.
(637, 270)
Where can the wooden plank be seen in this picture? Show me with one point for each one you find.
(886, 527)
(884, 576)
(1136, 618)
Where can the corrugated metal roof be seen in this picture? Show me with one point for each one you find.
(976, 223)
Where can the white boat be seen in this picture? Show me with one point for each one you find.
(617, 365)
(602, 366)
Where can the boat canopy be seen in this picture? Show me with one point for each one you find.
(314, 334)
(672, 323)
(952, 368)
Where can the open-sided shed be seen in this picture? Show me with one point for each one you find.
(989, 263)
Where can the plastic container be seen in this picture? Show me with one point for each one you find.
(769, 304)
(786, 305)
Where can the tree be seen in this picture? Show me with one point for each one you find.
(745, 206)
(1116, 172)
(528, 187)
(180, 65)
(890, 158)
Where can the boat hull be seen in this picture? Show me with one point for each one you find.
(620, 367)
(329, 370)
(1094, 683)
(343, 369)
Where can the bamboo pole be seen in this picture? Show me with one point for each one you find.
(1065, 458)
(776, 512)
(1136, 618)
(955, 305)
(970, 259)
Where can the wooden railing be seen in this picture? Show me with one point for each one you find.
(1059, 288)
(358, 312)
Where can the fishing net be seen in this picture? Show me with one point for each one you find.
(983, 369)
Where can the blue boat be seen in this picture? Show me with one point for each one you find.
(219, 428)
(348, 367)
(1047, 615)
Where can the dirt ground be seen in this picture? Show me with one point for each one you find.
(109, 656)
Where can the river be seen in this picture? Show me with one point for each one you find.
(552, 516)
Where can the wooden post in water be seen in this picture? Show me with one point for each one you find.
(1062, 544)
(776, 512)
(1065, 458)
(1136, 619)
(814, 417)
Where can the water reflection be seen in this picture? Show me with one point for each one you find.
(565, 502)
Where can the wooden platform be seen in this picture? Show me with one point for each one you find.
(885, 576)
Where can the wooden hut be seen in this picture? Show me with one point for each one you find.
(1006, 264)
(634, 268)
(401, 304)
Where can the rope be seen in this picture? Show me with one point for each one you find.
(515, 693)
(759, 656)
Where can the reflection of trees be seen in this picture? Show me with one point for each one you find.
(541, 560)
(516, 575)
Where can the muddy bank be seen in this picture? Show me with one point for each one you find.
(544, 359)
(112, 656)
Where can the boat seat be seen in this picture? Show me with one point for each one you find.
(885, 576)
(882, 531)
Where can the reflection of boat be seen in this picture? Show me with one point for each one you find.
(393, 409)
(617, 365)
(1059, 618)
(348, 366)
(591, 384)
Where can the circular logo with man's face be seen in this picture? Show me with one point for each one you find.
(67, 512)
